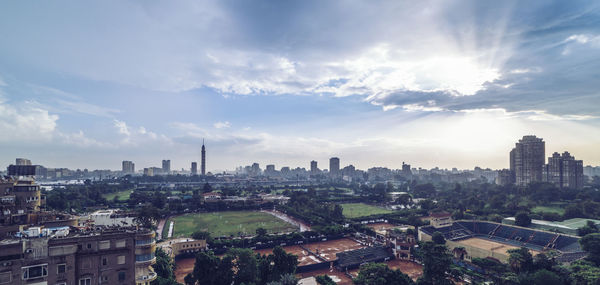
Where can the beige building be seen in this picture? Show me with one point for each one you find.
(109, 256)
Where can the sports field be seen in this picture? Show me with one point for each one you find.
(491, 245)
(356, 210)
(548, 209)
(236, 223)
(122, 195)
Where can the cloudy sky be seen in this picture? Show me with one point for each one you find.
(444, 83)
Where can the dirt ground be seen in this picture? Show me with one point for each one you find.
(184, 266)
(328, 249)
(381, 226)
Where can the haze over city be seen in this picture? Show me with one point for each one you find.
(455, 84)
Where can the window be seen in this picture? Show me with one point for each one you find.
(35, 271)
(120, 243)
(105, 244)
(104, 261)
(104, 278)
(89, 245)
(122, 276)
(85, 281)
(5, 277)
(61, 268)
(121, 259)
(144, 257)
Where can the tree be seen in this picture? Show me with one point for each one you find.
(207, 188)
(380, 274)
(436, 262)
(520, 260)
(591, 244)
(201, 235)
(147, 216)
(324, 280)
(272, 267)
(522, 219)
(163, 268)
(261, 232)
(584, 272)
(545, 277)
(589, 228)
(205, 267)
(245, 266)
(573, 211)
(438, 238)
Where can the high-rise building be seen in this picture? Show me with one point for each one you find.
(313, 167)
(406, 172)
(527, 160)
(194, 168)
(334, 166)
(149, 171)
(22, 161)
(128, 167)
(166, 166)
(203, 166)
(564, 171)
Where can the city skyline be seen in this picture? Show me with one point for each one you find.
(449, 84)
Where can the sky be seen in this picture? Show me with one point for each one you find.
(88, 84)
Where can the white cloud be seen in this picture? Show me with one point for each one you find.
(222, 125)
(122, 127)
(25, 122)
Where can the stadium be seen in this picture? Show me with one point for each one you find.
(483, 239)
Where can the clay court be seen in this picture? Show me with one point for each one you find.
(184, 266)
(328, 249)
(381, 226)
(491, 245)
(337, 276)
(304, 257)
(412, 269)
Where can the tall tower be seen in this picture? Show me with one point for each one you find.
(527, 160)
(203, 167)
(334, 166)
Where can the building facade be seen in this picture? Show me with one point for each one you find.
(313, 167)
(118, 256)
(334, 166)
(527, 160)
(564, 171)
(128, 167)
(166, 166)
(194, 168)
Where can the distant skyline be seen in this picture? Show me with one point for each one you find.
(375, 83)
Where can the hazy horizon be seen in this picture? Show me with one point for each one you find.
(452, 84)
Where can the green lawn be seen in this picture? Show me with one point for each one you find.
(228, 223)
(548, 209)
(123, 195)
(355, 210)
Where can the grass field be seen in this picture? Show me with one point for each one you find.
(356, 210)
(234, 223)
(123, 195)
(548, 209)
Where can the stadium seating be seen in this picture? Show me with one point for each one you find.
(507, 234)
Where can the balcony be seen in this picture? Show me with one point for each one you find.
(146, 277)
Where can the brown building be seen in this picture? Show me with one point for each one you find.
(564, 171)
(527, 159)
(109, 256)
